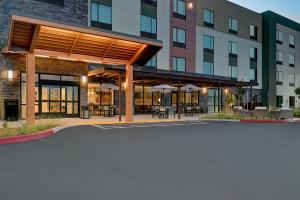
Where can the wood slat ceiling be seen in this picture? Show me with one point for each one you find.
(53, 39)
(66, 41)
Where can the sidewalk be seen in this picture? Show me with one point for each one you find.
(101, 120)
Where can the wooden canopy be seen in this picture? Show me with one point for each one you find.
(45, 38)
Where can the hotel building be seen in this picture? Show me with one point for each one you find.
(57, 54)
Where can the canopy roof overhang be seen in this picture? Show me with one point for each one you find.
(143, 75)
(52, 39)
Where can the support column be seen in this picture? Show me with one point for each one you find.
(119, 97)
(30, 89)
(129, 93)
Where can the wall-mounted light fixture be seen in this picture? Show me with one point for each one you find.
(83, 80)
(204, 90)
(226, 91)
(124, 85)
(190, 5)
(10, 74)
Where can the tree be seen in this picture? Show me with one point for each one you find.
(240, 91)
(297, 92)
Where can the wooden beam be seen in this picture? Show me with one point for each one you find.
(78, 57)
(10, 34)
(107, 50)
(34, 38)
(138, 53)
(74, 43)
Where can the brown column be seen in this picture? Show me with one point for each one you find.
(119, 98)
(30, 89)
(129, 93)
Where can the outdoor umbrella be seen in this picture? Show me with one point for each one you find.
(109, 87)
(163, 88)
(190, 88)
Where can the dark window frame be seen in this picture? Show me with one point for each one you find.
(53, 2)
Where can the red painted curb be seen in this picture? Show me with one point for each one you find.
(26, 138)
(263, 121)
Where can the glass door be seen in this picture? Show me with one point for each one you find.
(62, 100)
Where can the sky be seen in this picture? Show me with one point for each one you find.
(287, 8)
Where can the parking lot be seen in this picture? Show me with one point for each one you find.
(161, 161)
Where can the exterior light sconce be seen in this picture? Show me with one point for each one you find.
(10, 74)
(124, 85)
(204, 90)
(226, 91)
(190, 5)
(83, 80)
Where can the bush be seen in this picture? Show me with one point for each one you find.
(297, 112)
(25, 129)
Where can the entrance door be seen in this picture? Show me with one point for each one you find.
(59, 100)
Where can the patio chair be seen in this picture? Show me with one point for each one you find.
(155, 111)
(106, 111)
(188, 111)
(197, 110)
(171, 111)
(163, 112)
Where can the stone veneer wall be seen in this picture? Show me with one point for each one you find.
(73, 12)
(12, 89)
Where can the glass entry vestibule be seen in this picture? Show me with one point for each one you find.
(55, 95)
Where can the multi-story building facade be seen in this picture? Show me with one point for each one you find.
(281, 63)
(213, 44)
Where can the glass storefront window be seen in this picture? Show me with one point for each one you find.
(54, 93)
(53, 98)
(147, 96)
(138, 95)
(50, 77)
(156, 98)
(45, 107)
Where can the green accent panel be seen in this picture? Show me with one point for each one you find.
(208, 56)
(269, 22)
(233, 61)
(104, 2)
(148, 10)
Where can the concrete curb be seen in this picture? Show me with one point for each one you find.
(26, 138)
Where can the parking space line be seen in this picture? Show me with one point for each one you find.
(127, 126)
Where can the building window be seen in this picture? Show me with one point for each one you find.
(233, 48)
(179, 64)
(55, 2)
(292, 41)
(279, 101)
(233, 26)
(279, 57)
(148, 26)
(179, 8)
(233, 72)
(279, 36)
(292, 60)
(253, 53)
(208, 42)
(253, 75)
(208, 68)
(292, 102)
(279, 77)
(292, 79)
(152, 62)
(101, 16)
(208, 17)
(179, 37)
(150, 2)
(253, 32)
